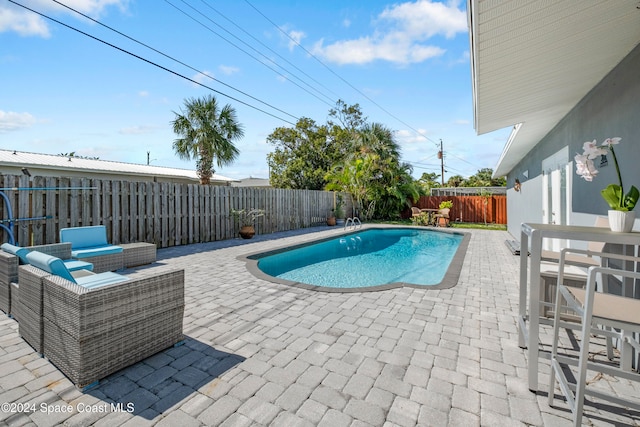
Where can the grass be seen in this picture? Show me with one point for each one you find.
(478, 225)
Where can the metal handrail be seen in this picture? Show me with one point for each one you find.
(353, 223)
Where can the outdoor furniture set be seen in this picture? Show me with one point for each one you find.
(91, 323)
(578, 306)
(435, 217)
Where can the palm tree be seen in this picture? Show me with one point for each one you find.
(207, 133)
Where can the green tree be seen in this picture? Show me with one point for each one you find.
(207, 133)
(372, 173)
(302, 157)
(456, 181)
(346, 154)
(427, 181)
(484, 178)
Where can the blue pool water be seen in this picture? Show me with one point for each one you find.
(368, 258)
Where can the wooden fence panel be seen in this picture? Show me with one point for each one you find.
(163, 213)
(471, 208)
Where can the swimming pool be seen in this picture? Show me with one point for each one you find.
(371, 259)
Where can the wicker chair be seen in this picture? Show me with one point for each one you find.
(442, 217)
(91, 333)
(90, 244)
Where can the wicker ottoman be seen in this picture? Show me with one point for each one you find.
(140, 253)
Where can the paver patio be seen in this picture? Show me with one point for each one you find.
(258, 353)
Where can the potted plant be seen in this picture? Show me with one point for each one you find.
(446, 204)
(621, 214)
(331, 218)
(246, 219)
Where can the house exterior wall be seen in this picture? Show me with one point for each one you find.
(610, 109)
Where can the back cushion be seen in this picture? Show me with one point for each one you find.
(17, 251)
(84, 237)
(50, 264)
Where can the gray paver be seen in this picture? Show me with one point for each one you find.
(219, 411)
(178, 418)
(262, 353)
(365, 411)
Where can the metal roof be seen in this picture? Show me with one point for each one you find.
(56, 162)
(533, 61)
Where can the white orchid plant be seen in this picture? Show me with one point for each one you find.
(614, 194)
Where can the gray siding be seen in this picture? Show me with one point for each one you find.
(611, 109)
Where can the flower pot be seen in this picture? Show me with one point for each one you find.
(247, 231)
(331, 220)
(621, 221)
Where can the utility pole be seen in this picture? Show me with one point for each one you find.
(441, 157)
(149, 159)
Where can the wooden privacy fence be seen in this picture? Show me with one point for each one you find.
(166, 214)
(471, 208)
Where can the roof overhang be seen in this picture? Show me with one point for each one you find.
(532, 62)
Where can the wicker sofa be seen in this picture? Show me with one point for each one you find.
(97, 329)
(12, 256)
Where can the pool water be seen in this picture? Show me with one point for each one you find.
(368, 258)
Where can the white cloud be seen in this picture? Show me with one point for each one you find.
(137, 130)
(295, 37)
(204, 78)
(10, 121)
(26, 23)
(410, 137)
(424, 19)
(401, 38)
(228, 69)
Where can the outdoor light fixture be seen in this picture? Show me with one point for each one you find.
(516, 185)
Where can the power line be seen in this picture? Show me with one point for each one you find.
(465, 161)
(337, 75)
(174, 59)
(243, 50)
(268, 48)
(149, 62)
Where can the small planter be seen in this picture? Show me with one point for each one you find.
(621, 221)
(331, 220)
(247, 231)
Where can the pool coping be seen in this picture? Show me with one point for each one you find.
(449, 280)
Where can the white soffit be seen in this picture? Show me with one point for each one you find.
(533, 61)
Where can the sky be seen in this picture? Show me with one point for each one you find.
(113, 94)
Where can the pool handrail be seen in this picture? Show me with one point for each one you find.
(353, 223)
